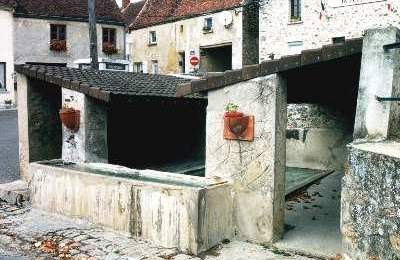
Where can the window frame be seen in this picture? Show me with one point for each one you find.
(5, 76)
(136, 66)
(295, 10)
(208, 24)
(153, 40)
(58, 32)
(154, 67)
(108, 31)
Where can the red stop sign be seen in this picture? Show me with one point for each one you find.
(194, 61)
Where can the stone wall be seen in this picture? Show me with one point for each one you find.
(317, 136)
(255, 169)
(37, 33)
(171, 41)
(7, 54)
(370, 201)
(277, 31)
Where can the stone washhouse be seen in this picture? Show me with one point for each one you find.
(242, 196)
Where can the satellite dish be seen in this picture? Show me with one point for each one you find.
(228, 18)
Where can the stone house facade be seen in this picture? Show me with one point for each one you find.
(287, 29)
(212, 34)
(6, 51)
(58, 31)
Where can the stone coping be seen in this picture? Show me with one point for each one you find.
(141, 176)
(286, 63)
(388, 148)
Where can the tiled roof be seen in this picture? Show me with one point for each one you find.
(162, 11)
(106, 85)
(131, 11)
(106, 10)
(286, 63)
(7, 3)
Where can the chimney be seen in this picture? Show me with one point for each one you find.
(125, 3)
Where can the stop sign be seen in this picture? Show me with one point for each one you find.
(194, 61)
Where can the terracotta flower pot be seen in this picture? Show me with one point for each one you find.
(233, 114)
(70, 118)
(238, 125)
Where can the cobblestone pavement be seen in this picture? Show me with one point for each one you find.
(27, 233)
(8, 146)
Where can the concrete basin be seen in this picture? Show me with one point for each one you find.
(190, 213)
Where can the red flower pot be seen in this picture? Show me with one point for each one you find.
(70, 118)
(233, 114)
(238, 125)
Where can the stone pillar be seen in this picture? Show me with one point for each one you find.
(89, 143)
(255, 169)
(380, 76)
(22, 102)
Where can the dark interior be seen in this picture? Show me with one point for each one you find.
(148, 134)
(333, 84)
(216, 59)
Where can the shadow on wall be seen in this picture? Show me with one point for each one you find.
(322, 106)
(147, 134)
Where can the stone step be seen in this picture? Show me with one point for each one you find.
(16, 192)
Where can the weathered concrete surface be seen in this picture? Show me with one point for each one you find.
(316, 137)
(312, 218)
(189, 213)
(89, 143)
(370, 221)
(23, 146)
(255, 169)
(380, 76)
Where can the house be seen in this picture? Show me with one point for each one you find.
(182, 36)
(6, 50)
(56, 32)
(290, 26)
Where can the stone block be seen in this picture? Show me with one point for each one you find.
(192, 214)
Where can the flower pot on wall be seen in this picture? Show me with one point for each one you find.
(70, 118)
(238, 127)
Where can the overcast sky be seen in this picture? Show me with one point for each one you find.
(119, 2)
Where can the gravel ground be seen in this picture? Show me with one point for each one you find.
(9, 170)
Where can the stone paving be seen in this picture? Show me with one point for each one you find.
(27, 233)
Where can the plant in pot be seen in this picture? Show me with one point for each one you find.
(236, 121)
(70, 118)
(109, 48)
(58, 45)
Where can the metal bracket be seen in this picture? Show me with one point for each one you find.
(388, 99)
(391, 46)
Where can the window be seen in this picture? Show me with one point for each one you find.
(153, 37)
(58, 32)
(338, 40)
(138, 67)
(58, 37)
(208, 24)
(154, 66)
(295, 47)
(295, 10)
(2, 75)
(109, 36)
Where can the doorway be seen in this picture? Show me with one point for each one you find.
(216, 58)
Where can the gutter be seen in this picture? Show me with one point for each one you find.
(67, 18)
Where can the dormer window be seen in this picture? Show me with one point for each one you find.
(152, 38)
(58, 37)
(208, 24)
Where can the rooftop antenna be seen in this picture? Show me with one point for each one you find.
(93, 35)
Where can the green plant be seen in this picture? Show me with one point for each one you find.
(231, 107)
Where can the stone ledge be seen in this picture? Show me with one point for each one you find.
(286, 63)
(16, 193)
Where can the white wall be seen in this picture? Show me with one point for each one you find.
(32, 38)
(171, 41)
(7, 53)
(276, 31)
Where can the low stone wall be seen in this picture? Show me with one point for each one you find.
(370, 221)
(192, 214)
(316, 137)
